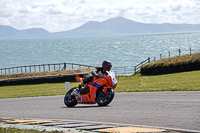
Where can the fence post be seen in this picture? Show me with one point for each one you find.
(125, 70)
(135, 69)
(190, 50)
(169, 53)
(43, 68)
(64, 67)
(49, 67)
(149, 60)
(179, 52)
(161, 56)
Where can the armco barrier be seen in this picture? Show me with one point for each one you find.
(40, 80)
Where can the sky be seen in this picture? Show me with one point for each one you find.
(63, 15)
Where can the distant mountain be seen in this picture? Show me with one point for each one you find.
(114, 26)
(9, 32)
(122, 26)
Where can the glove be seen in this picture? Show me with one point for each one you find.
(97, 76)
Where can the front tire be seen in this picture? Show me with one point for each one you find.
(103, 99)
(70, 100)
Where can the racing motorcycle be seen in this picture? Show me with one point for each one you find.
(99, 90)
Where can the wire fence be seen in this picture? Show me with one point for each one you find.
(42, 67)
(123, 71)
(61, 66)
(178, 52)
(133, 69)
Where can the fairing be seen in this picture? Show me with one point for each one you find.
(112, 81)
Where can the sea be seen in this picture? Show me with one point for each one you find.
(127, 50)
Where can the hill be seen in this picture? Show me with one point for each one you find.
(114, 26)
(122, 26)
(173, 65)
(10, 32)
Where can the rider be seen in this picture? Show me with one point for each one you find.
(98, 72)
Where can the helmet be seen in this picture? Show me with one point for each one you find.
(107, 65)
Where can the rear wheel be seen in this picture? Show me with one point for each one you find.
(103, 99)
(70, 100)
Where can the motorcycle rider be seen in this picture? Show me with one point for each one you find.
(98, 72)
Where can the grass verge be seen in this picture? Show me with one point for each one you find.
(46, 73)
(35, 90)
(174, 61)
(185, 81)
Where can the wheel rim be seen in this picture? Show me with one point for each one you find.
(104, 97)
(69, 98)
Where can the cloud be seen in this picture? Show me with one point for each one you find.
(169, 12)
(64, 15)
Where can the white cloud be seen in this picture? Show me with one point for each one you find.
(62, 15)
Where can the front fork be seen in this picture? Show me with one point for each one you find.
(104, 93)
(105, 89)
(75, 92)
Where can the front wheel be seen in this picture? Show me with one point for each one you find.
(103, 99)
(70, 100)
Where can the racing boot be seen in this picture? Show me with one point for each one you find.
(80, 87)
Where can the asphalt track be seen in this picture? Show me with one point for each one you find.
(161, 109)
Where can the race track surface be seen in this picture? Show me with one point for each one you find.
(162, 109)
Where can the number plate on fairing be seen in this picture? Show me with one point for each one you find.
(79, 99)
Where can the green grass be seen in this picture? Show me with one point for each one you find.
(47, 89)
(186, 81)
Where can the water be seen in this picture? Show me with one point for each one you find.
(120, 50)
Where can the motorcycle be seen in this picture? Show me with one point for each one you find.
(99, 90)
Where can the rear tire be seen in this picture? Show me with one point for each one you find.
(105, 99)
(70, 100)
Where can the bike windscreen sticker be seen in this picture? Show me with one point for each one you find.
(112, 76)
(114, 81)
